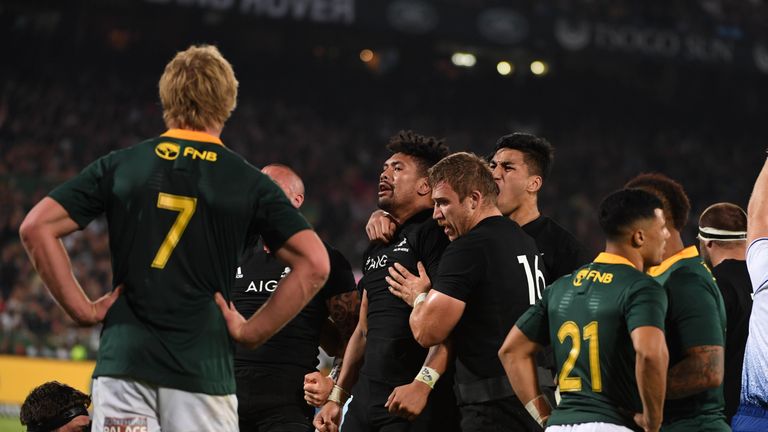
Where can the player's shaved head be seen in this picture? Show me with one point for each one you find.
(288, 180)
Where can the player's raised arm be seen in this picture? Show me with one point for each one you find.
(41, 233)
(757, 212)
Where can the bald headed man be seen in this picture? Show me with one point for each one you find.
(723, 244)
(271, 378)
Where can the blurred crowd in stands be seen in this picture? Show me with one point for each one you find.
(332, 129)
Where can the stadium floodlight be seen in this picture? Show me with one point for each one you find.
(463, 59)
(366, 55)
(504, 68)
(539, 67)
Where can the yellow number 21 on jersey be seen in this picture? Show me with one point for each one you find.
(186, 208)
(570, 329)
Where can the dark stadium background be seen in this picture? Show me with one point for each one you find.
(676, 87)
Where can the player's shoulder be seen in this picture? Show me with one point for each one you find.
(692, 270)
(550, 228)
(336, 258)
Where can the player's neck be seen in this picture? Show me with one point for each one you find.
(484, 213)
(674, 243)
(718, 254)
(627, 252)
(406, 212)
(526, 213)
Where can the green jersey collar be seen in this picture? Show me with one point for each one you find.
(688, 252)
(609, 258)
(191, 135)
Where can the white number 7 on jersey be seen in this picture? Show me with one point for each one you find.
(186, 208)
(534, 286)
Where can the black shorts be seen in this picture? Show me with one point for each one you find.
(367, 413)
(502, 415)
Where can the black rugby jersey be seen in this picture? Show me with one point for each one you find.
(392, 355)
(560, 251)
(294, 349)
(476, 269)
(733, 280)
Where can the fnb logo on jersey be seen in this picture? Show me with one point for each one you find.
(594, 275)
(170, 151)
(167, 150)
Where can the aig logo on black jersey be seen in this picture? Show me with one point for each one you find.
(266, 285)
(373, 263)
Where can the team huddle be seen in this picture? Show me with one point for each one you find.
(474, 312)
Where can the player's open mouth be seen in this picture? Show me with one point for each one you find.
(384, 188)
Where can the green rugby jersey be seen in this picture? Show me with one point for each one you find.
(696, 317)
(181, 209)
(588, 317)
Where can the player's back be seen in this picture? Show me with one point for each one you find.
(180, 208)
(591, 314)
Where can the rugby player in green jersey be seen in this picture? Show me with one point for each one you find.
(181, 208)
(696, 320)
(606, 324)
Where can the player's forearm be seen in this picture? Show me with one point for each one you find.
(439, 356)
(50, 259)
(757, 211)
(650, 372)
(700, 370)
(353, 359)
(291, 295)
(523, 376)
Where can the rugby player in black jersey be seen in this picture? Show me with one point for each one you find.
(382, 357)
(270, 378)
(478, 292)
(723, 245)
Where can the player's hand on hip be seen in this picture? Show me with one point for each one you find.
(317, 388)
(381, 227)
(100, 307)
(235, 321)
(644, 422)
(405, 284)
(408, 401)
(329, 418)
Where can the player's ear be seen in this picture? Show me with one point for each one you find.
(474, 199)
(638, 238)
(298, 200)
(534, 183)
(423, 188)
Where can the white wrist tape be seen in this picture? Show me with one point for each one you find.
(338, 395)
(534, 412)
(420, 299)
(428, 376)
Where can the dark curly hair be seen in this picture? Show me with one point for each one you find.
(426, 149)
(677, 206)
(537, 152)
(49, 400)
